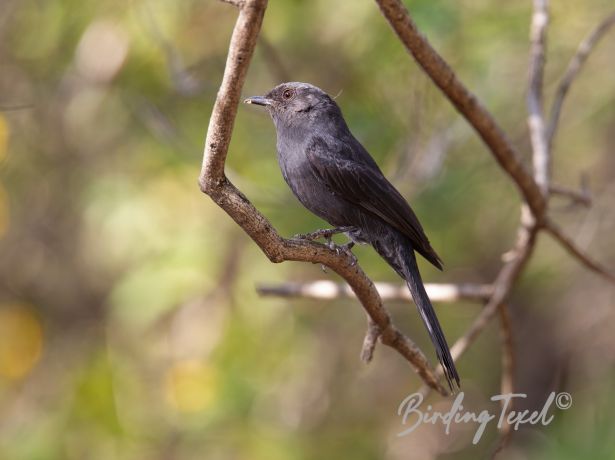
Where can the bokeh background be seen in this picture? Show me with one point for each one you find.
(130, 327)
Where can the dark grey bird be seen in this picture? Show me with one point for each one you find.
(332, 175)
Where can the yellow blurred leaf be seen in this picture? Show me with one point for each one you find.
(190, 386)
(21, 341)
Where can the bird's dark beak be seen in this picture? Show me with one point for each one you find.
(258, 100)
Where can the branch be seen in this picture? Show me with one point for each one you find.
(214, 183)
(540, 148)
(508, 372)
(519, 255)
(237, 3)
(576, 252)
(465, 102)
(573, 69)
(325, 289)
(582, 196)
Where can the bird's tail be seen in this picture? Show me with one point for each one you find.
(403, 260)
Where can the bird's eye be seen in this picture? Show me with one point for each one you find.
(287, 94)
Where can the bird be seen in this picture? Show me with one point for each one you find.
(335, 177)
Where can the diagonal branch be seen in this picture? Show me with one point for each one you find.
(465, 102)
(582, 196)
(569, 245)
(541, 157)
(214, 183)
(574, 67)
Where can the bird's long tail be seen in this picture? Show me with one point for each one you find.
(401, 257)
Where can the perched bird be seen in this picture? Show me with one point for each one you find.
(333, 176)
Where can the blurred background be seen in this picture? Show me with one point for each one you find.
(130, 327)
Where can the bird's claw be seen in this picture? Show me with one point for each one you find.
(344, 249)
(327, 234)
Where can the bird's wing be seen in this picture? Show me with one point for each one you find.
(362, 183)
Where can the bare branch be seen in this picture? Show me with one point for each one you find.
(14, 108)
(574, 67)
(326, 289)
(567, 243)
(540, 148)
(369, 343)
(214, 183)
(519, 255)
(508, 367)
(503, 285)
(237, 3)
(582, 196)
(465, 102)
(274, 61)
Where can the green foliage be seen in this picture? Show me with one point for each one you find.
(139, 291)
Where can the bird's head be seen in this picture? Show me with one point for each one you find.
(290, 104)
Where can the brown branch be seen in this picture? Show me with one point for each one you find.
(214, 183)
(582, 196)
(508, 373)
(369, 343)
(518, 257)
(237, 3)
(540, 148)
(569, 245)
(465, 102)
(574, 67)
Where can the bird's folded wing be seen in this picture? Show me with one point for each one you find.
(364, 184)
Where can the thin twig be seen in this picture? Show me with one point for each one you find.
(519, 255)
(508, 370)
(582, 196)
(567, 243)
(541, 157)
(574, 67)
(237, 3)
(214, 183)
(325, 289)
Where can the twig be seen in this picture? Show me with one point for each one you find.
(237, 3)
(519, 255)
(538, 36)
(369, 343)
(574, 67)
(508, 370)
(465, 102)
(274, 61)
(582, 196)
(567, 243)
(214, 183)
(325, 289)
(14, 108)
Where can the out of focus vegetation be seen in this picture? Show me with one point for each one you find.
(129, 323)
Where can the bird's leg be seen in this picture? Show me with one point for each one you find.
(327, 234)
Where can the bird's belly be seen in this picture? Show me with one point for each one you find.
(318, 199)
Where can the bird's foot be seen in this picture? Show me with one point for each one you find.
(344, 249)
(325, 233)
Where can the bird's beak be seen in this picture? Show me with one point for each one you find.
(258, 100)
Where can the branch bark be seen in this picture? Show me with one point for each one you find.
(214, 183)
